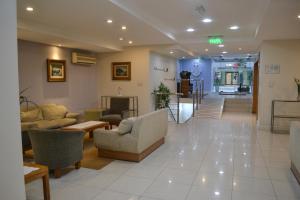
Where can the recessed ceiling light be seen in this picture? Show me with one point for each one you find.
(183, 57)
(124, 27)
(190, 30)
(206, 50)
(240, 49)
(206, 20)
(121, 39)
(59, 45)
(235, 27)
(224, 52)
(29, 9)
(171, 52)
(298, 16)
(217, 193)
(221, 45)
(130, 42)
(109, 21)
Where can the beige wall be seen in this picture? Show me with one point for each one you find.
(12, 185)
(143, 77)
(139, 84)
(157, 76)
(286, 53)
(77, 93)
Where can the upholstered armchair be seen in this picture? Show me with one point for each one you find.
(57, 148)
(119, 109)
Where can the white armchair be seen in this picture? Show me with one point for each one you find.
(295, 148)
(147, 134)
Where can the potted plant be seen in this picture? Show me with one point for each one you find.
(162, 96)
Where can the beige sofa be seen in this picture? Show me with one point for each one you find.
(47, 116)
(295, 148)
(146, 134)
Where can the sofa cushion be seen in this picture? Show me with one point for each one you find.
(65, 122)
(25, 126)
(31, 115)
(52, 111)
(114, 117)
(47, 124)
(126, 125)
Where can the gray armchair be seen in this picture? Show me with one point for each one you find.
(57, 149)
(119, 109)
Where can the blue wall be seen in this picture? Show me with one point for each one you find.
(205, 68)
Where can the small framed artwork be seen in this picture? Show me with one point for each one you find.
(56, 70)
(121, 71)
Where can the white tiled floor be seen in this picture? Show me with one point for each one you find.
(204, 159)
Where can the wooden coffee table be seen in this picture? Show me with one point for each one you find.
(41, 172)
(88, 126)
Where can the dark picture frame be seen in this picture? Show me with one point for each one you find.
(56, 70)
(121, 71)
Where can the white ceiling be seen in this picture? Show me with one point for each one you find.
(82, 24)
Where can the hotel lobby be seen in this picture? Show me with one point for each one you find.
(150, 100)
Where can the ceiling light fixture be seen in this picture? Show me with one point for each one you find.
(183, 57)
(224, 52)
(59, 45)
(240, 49)
(109, 21)
(221, 45)
(29, 9)
(207, 20)
(130, 42)
(217, 193)
(121, 39)
(171, 52)
(235, 27)
(206, 50)
(124, 27)
(298, 16)
(190, 30)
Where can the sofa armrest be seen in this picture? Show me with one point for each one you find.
(112, 140)
(106, 112)
(72, 115)
(125, 114)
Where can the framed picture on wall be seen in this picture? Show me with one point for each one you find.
(121, 71)
(56, 70)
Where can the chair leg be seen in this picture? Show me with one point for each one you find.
(78, 165)
(57, 172)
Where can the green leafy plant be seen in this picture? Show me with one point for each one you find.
(162, 95)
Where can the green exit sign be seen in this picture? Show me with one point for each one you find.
(215, 40)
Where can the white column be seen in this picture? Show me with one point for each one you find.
(11, 167)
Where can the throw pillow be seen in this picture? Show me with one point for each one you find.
(31, 116)
(51, 112)
(126, 125)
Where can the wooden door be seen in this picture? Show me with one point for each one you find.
(255, 88)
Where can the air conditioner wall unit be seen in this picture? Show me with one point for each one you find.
(84, 59)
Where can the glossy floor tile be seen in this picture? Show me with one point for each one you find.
(225, 158)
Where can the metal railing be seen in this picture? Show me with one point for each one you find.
(198, 95)
(172, 109)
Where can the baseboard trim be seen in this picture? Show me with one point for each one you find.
(135, 157)
(295, 172)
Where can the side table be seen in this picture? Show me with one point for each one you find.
(41, 172)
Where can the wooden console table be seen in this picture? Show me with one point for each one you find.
(273, 115)
(41, 172)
